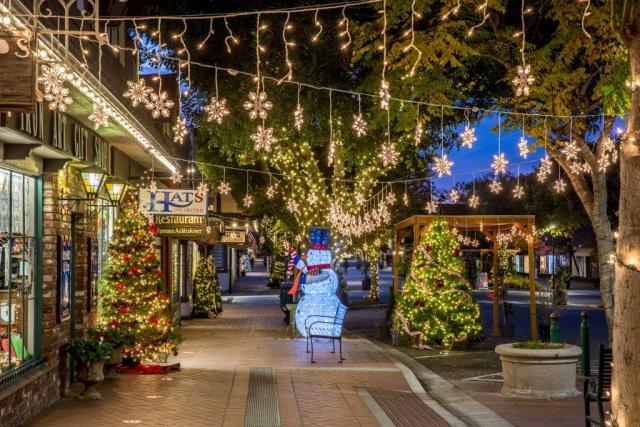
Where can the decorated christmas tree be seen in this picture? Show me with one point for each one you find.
(132, 290)
(208, 297)
(436, 306)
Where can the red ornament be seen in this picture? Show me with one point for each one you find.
(163, 297)
(120, 286)
(154, 319)
(153, 229)
(123, 310)
(159, 272)
(150, 257)
(133, 270)
(126, 258)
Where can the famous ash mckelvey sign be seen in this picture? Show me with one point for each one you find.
(173, 202)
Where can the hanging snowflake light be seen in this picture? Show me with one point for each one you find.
(468, 136)
(180, 131)
(203, 189)
(417, 136)
(495, 186)
(454, 195)
(263, 138)
(208, 229)
(298, 117)
(159, 104)
(293, 206)
(176, 177)
(52, 77)
(608, 156)
(559, 186)
(431, 207)
(360, 199)
(405, 199)
(518, 191)
(545, 168)
(359, 125)
(59, 100)
(257, 105)
(523, 80)
(390, 198)
(312, 199)
(216, 110)
(571, 151)
(500, 163)
(442, 165)
(153, 186)
(138, 92)
(99, 116)
(388, 154)
(385, 95)
(271, 192)
(224, 188)
(474, 201)
(247, 201)
(523, 147)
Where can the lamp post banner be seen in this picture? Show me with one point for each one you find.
(174, 202)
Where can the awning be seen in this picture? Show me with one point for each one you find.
(589, 251)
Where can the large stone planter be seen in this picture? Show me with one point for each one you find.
(539, 373)
(90, 373)
(113, 362)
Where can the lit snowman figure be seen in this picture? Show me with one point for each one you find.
(318, 280)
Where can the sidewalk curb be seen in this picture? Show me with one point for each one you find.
(452, 398)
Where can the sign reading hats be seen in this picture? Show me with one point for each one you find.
(174, 202)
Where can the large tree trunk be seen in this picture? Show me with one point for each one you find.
(625, 402)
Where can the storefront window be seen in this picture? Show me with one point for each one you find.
(106, 221)
(17, 252)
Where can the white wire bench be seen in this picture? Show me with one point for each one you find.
(327, 327)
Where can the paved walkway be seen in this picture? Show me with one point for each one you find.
(218, 383)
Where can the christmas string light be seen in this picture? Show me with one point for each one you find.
(468, 135)
(209, 34)
(500, 163)
(298, 114)
(224, 188)
(263, 138)
(216, 109)
(412, 44)
(388, 153)
(545, 164)
(271, 191)
(359, 124)
(523, 78)
(344, 24)
(385, 94)
(405, 196)
(287, 44)
(332, 146)
(417, 136)
(559, 186)
(518, 190)
(431, 207)
(453, 11)
(482, 8)
(474, 201)
(318, 24)
(585, 13)
(248, 199)
(442, 165)
(523, 144)
(230, 38)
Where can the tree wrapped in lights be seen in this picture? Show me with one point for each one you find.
(132, 290)
(436, 305)
(208, 296)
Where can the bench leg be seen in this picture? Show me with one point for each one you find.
(307, 342)
(340, 342)
(311, 339)
(333, 343)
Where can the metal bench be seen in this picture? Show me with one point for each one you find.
(598, 388)
(327, 327)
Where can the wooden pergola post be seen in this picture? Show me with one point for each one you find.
(533, 320)
(494, 271)
(396, 260)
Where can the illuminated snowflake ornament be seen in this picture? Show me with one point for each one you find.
(224, 188)
(545, 168)
(59, 100)
(248, 200)
(523, 80)
(153, 187)
(257, 105)
(216, 110)
(388, 154)
(385, 95)
(52, 78)
(454, 195)
(359, 125)
(417, 136)
(608, 156)
(360, 199)
(138, 92)
(571, 151)
(523, 147)
(468, 136)
(559, 186)
(298, 117)
(500, 163)
(312, 199)
(263, 138)
(474, 201)
(159, 104)
(293, 206)
(180, 130)
(176, 177)
(496, 186)
(99, 116)
(203, 189)
(431, 207)
(271, 192)
(442, 165)
(405, 199)
(518, 191)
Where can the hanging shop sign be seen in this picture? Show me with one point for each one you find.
(17, 71)
(173, 202)
(234, 237)
(181, 227)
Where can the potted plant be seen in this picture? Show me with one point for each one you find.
(118, 336)
(560, 283)
(504, 269)
(90, 354)
(545, 307)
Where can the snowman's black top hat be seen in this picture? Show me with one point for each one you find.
(319, 238)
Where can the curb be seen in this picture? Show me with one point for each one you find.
(463, 406)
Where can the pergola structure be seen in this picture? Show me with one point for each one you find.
(488, 225)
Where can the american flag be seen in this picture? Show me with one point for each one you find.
(254, 243)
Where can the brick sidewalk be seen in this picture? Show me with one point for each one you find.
(219, 357)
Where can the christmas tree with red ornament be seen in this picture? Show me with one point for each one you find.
(436, 307)
(132, 294)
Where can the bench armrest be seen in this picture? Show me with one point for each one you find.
(333, 324)
(314, 316)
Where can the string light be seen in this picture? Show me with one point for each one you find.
(332, 143)
(482, 8)
(209, 34)
(523, 78)
(454, 195)
(176, 177)
(500, 162)
(385, 94)
(298, 114)
(271, 191)
(230, 38)
(318, 24)
(468, 135)
(359, 124)
(159, 104)
(585, 13)
(344, 24)
(523, 144)
(388, 153)
(474, 200)
(417, 136)
(405, 196)
(257, 105)
(224, 188)
(518, 190)
(559, 186)
(248, 199)
(180, 131)
(442, 165)
(412, 44)
(287, 44)
(453, 11)
(545, 163)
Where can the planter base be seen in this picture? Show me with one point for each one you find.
(90, 393)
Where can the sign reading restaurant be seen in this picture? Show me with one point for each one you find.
(173, 202)
(184, 227)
